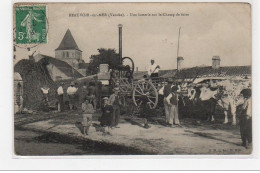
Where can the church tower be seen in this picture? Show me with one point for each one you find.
(68, 51)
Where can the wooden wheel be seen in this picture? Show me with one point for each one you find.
(145, 88)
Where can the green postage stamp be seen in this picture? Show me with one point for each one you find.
(30, 24)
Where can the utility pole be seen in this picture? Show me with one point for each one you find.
(120, 26)
(178, 46)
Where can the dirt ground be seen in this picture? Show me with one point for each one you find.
(194, 137)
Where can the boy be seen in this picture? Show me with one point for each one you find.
(87, 111)
(107, 115)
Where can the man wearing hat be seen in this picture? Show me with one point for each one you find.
(115, 102)
(245, 119)
(153, 70)
(60, 93)
(172, 100)
(71, 91)
(92, 94)
(166, 91)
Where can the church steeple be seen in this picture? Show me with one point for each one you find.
(68, 42)
(69, 51)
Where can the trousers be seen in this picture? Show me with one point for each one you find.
(60, 103)
(116, 115)
(167, 112)
(174, 115)
(87, 120)
(245, 129)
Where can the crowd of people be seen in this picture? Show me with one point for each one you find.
(86, 101)
(76, 96)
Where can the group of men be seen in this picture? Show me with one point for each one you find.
(170, 100)
(170, 94)
(76, 95)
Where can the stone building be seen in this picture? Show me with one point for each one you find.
(69, 51)
(68, 63)
(213, 71)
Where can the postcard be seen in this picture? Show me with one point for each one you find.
(132, 79)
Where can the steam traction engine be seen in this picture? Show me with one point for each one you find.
(123, 77)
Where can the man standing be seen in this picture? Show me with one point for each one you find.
(60, 93)
(115, 102)
(245, 120)
(45, 93)
(71, 91)
(92, 94)
(145, 108)
(172, 100)
(83, 93)
(153, 70)
(166, 91)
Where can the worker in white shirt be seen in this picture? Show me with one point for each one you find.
(45, 92)
(153, 70)
(172, 100)
(167, 107)
(71, 91)
(60, 93)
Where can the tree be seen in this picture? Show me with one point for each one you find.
(105, 56)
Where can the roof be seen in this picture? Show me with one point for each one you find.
(167, 73)
(208, 71)
(61, 65)
(215, 58)
(83, 65)
(68, 42)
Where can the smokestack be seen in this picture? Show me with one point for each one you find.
(179, 63)
(215, 62)
(120, 26)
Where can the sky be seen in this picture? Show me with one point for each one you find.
(210, 29)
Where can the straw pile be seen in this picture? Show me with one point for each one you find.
(35, 76)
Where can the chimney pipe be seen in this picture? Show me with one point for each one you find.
(120, 26)
(179, 63)
(215, 62)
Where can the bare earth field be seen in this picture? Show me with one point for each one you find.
(62, 135)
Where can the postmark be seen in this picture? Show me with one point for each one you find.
(31, 24)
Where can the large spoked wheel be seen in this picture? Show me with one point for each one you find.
(146, 88)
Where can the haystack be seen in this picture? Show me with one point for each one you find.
(35, 76)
